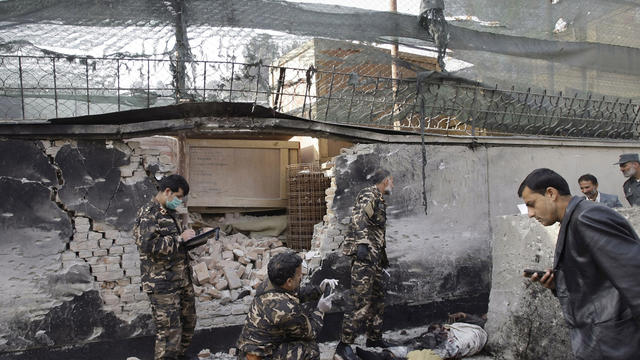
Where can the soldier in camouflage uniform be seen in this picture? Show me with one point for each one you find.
(166, 273)
(366, 246)
(283, 321)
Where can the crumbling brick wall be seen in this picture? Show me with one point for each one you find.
(90, 191)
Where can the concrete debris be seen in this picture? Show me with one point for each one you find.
(561, 26)
(231, 266)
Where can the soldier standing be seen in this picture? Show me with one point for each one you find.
(366, 246)
(283, 320)
(166, 273)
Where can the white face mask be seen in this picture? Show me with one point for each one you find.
(629, 173)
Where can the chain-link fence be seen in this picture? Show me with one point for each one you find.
(38, 88)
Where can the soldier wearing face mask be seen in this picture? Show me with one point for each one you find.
(366, 245)
(165, 269)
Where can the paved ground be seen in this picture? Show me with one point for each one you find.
(327, 348)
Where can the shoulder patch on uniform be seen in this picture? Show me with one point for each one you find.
(368, 209)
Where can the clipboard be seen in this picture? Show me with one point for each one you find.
(201, 239)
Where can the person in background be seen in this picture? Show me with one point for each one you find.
(630, 168)
(589, 187)
(595, 268)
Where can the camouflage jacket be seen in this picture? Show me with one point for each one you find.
(164, 263)
(278, 316)
(368, 221)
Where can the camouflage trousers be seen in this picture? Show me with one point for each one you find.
(174, 316)
(367, 286)
(295, 350)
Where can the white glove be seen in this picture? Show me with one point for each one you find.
(324, 304)
(331, 282)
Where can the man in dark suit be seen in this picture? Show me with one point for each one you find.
(595, 269)
(589, 187)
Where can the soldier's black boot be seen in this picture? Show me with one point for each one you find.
(381, 343)
(345, 352)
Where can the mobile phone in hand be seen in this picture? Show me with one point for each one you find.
(530, 272)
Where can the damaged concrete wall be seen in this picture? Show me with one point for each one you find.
(70, 266)
(525, 320)
(68, 257)
(440, 256)
(446, 255)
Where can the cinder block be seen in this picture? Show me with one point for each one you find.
(125, 240)
(130, 249)
(92, 260)
(221, 284)
(232, 278)
(92, 245)
(110, 275)
(97, 226)
(111, 259)
(85, 254)
(213, 292)
(79, 220)
(238, 253)
(112, 234)
(105, 243)
(82, 228)
(113, 267)
(202, 273)
(116, 250)
(100, 252)
(95, 235)
(240, 271)
(131, 265)
(247, 271)
(210, 261)
(98, 268)
(237, 309)
(132, 272)
(80, 236)
(128, 257)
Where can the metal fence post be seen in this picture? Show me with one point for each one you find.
(21, 86)
(118, 81)
(55, 88)
(231, 82)
(86, 72)
(204, 83)
(333, 73)
(148, 83)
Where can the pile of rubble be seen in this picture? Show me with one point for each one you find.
(232, 267)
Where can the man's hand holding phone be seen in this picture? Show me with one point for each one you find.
(545, 277)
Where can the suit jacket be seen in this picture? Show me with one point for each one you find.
(610, 200)
(597, 267)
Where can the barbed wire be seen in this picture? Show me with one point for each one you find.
(45, 87)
